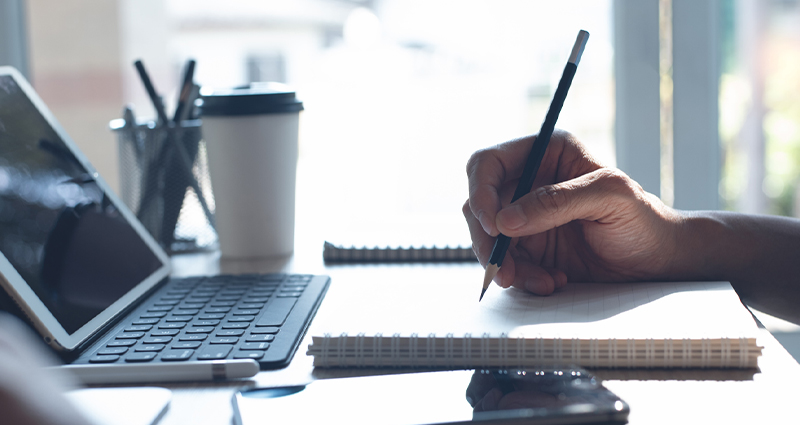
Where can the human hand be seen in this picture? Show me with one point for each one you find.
(582, 221)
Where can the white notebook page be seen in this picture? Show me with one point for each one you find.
(580, 310)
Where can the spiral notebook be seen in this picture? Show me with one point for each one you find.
(631, 325)
(406, 239)
(395, 254)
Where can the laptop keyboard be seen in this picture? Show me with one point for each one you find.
(260, 317)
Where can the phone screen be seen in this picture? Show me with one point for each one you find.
(544, 396)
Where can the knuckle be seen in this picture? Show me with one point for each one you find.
(617, 182)
(476, 159)
(466, 210)
(565, 135)
(550, 200)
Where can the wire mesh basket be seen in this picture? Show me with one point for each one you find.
(164, 180)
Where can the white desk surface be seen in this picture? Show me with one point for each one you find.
(656, 396)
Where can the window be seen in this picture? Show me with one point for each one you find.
(398, 93)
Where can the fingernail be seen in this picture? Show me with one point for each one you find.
(485, 222)
(535, 286)
(512, 217)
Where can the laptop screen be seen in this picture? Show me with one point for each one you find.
(58, 228)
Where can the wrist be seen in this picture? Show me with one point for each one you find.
(710, 246)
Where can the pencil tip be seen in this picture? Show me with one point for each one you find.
(491, 272)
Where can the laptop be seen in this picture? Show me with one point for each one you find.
(94, 283)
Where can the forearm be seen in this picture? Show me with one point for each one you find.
(759, 255)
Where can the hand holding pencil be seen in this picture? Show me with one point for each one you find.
(536, 154)
(573, 219)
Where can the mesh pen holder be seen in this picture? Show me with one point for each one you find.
(164, 180)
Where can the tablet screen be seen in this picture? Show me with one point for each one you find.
(58, 228)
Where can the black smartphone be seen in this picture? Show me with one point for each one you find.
(567, 395)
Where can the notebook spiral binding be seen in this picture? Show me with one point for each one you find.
(506, 351)
(350, 254)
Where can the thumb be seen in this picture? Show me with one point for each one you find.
(592, 196)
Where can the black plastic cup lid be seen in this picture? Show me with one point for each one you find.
(253, 99)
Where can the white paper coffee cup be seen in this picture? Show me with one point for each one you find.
(251, 138)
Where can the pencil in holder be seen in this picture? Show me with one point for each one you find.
(164, 180)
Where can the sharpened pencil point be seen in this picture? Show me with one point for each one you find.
(491, 272)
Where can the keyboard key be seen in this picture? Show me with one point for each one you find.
(160, 308)
(145, 321)
(265, 330)
(193, 337)
(192, 306)
(206, 323)
(177, 355)
(140, 357)
(130, 335)
(241, 318)
(214, 316)
(172, 325)
(199, 299)
(227, 340)
(290, 294)
(277, 311)
(255, 355)
(179, 318)
(187, 311)
(260, 338)
(165, 332)
(121, 343)
(257, 299)
(153, 314)
(201, 330)
(264, 288)
(230, 332)
(104, 358)
(167, 302)
(187, 344)
(228, 298)
(139, 328)
(293, 288)
(222, 304)
(112, 351)
(236, 325)
(157, 340)
(214, 352)
(217, 310)
(149, 347)
(177, 297)
(246, 306)
(254, 346)
(246, 312)
(176, 291)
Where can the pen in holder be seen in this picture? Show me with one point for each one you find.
(164, 180)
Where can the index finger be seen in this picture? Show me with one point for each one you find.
(487, 170)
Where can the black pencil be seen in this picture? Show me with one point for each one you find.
(537, 153)
(151, 92)
(186, 90)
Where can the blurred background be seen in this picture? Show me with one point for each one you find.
(698, 101)
(402, 91)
